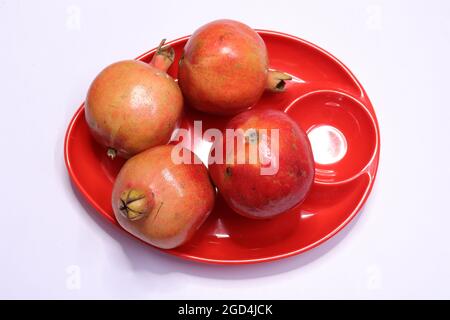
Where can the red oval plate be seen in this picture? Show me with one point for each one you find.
(327, 101)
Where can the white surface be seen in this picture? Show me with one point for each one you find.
(397, 248)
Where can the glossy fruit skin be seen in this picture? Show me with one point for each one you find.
(132, 106)
(329, 208)
(182, 197)
(224, 68)
(258, 196)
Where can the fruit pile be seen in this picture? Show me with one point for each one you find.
(260, 162)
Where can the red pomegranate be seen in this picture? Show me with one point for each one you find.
(277, 178)
(224, 68)
(132, 106)
(159, 201)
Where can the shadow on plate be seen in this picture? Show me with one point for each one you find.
(144, 258)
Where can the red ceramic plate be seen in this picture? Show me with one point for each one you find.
(328, 103)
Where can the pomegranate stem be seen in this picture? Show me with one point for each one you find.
(163, 57)
(276, 81)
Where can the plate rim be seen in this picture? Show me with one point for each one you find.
(372, 173)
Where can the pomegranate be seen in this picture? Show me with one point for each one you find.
(224, 68)
(132, 105)
(159, 201)
(275, 177)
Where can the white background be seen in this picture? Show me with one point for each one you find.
(399, 247)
